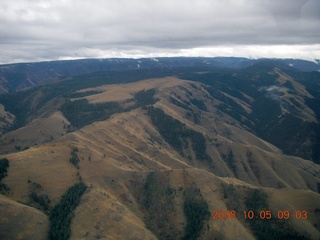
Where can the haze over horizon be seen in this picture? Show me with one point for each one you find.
(38, 30)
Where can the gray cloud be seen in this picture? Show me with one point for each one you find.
(32, 30)
(275, 92)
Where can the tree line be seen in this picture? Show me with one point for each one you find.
(4, 165)
(61, 215)
(175, 133)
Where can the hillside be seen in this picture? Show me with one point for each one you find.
(154, 154)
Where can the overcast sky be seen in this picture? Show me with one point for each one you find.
(36, 30)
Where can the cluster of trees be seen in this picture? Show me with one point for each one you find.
(199, 145)
(41, 199)
(170, 129)
(176, 133)
(4, 165)
(230, 160)
(74, 157)
(17, 104)
(182, 103)
(81, 113)
(195, 115)
(314, 104)
(62, 213)
(144, 98)
(197, 212)
(199, 104)
(157, 200)
(84, 94)
(231, 196)
(256, 200)
(230, 106)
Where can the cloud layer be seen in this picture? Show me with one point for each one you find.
(32, 30)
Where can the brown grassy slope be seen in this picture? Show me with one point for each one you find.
(47, 165)
(302, 110)
(101, 215)
(120, 92)
(36, 132)
(18, 221)
(6, 119)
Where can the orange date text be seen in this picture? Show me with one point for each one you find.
(262, 214)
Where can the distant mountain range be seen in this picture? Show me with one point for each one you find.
(15, 77)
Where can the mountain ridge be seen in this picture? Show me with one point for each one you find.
(24, 75)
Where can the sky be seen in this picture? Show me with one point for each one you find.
(42, 30)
